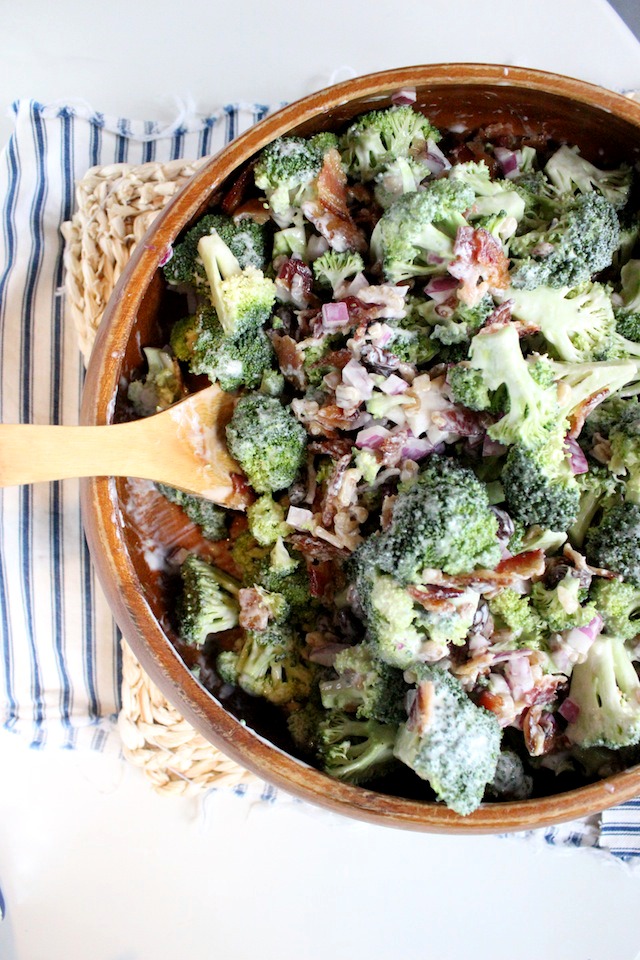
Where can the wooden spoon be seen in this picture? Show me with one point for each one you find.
(184, 447)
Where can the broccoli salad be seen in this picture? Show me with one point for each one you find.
(434, 340)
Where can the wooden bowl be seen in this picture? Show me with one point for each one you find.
(606, 126)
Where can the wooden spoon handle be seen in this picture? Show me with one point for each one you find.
(30, 453)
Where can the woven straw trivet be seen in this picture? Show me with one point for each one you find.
(115, 205)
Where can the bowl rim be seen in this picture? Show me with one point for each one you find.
(99, 500)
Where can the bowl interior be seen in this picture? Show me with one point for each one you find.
(456, 98)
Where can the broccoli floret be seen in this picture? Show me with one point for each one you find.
(162, 384)
(415, 236)
(577, 323)
(231, 361)
(390, 614)
(562, 607)
(539, 487)
(272, 383)
(618, 603)
(615, 543)
(513, 612)
(443, 521)
(292, 581)
(491, 196)
(366, 686)
(242, 298)
(291, 241)
(331, 269)
(624, 439)
(403, 175)
(463, 323)
(266, 520)
(543, 203)
(597, 487)
(207, 602)
(303, 725)
(411, 340)
(532, 415)
(579, 244)
(246, 239)
(250, 557)
(606, 690)
(468, 387)
(568, 172)
(212, 519)
(286, 170)
(270, 665)
(380, 137)
(355, 750)
(267, 441)
(511, 782)
(449, 741)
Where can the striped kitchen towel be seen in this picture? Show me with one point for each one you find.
(60, 677)
(60, 653)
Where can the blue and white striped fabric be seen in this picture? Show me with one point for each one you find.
(60, 662)
(60, 677)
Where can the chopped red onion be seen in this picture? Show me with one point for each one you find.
(394, 385)
(569, 709)
(509, 160)
(441, 288)
(491, 448)
(435, 159)
(404, 96)
(380, 334)
(335, 314)
(316, 247)
(580, 639)
(519, 676)
(417, 447)
(355, 375)
(372, 437)
(165, 256)
(577, 458)
(352, 289)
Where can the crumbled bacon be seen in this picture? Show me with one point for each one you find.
(335, 448)
(435, 598)
(481, 264)
(508, 572)
(238, 190)
(290, 359)
(582, 411)
(329, 212)
(315, 548)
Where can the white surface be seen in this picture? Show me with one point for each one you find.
(92, 862)
(135, 58)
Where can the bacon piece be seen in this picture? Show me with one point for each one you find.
(582, 411)
(329, 212)
(253, 209)
(290, 359)
(238, 190)
(435, 598)
(509, 571)
(254, 613)
(316, 548)
(490, 701)
(335, 448)
(481, 264)
(242, 488)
